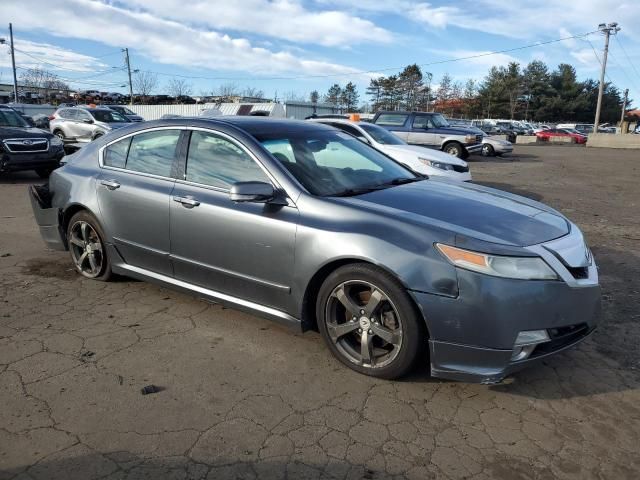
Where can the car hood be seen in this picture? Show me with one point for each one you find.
(424, 152)
(472, 210)
(27, 132)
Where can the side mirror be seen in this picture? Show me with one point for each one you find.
(256, 192)
(87, 120)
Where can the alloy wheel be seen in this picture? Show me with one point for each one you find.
(86, 249)
(363, 324)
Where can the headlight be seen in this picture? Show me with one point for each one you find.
(439, 165)
(55, 141)
(523, 268)
(470, 139)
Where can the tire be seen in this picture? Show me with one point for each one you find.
(488, 150)
(390, 325)
(97, 136)
(453, 148)
(87, 247)
(60, 135)
(44, 172)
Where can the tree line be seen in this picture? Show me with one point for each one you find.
(533, 92)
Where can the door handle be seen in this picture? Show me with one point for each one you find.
(110, 184)
(187, 201)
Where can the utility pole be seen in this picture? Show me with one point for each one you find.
(607, 30)
(13, 65)
(624, 107)
(126, 60)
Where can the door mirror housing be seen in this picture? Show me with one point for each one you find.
(87, 120)
(256, 192)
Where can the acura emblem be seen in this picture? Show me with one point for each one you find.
(27, 142)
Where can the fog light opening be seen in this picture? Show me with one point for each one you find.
(526, 343)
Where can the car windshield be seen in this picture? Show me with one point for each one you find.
(10, 118)
(123, 110)
(108, 116)
(439, 121)
(381, 135)
(334, 163)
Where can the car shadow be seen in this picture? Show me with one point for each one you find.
(511, 158)
(511, 189)
(76, 462)
(20, 178)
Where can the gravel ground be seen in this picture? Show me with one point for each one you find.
(243, 398)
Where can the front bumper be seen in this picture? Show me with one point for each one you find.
(475, 148)
(472, 336)
(47, 218)
(17, 162)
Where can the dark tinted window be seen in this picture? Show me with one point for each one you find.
(115, 155)
(215, 161)
(392, 119)
(153, 152)
(10, 118)
(108, 116)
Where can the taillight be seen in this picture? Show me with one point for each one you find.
(52, 117)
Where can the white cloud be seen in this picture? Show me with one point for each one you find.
(50, 57)
(163, 41)
(282, 19)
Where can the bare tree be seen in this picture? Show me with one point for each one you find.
(293, 96)
(178, 87)
(227, 90)
(41, 79)
(144, 83)
(252, 92)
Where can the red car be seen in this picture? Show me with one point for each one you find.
(561, 132)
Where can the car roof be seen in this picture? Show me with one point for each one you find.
(263, 125)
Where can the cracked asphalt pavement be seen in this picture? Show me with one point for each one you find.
(243, 398)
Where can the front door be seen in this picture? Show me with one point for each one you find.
(241, 249)
(134, 194)
(422, 132)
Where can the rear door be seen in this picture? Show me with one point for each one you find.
(84, 125)
(134, 192)
(241, 249)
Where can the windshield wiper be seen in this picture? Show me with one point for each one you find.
(402, 181)
(351, 192)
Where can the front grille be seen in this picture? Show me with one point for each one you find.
(460, 168)
(560, 338)
(26, 145)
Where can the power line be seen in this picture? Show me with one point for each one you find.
(83, 82)
(58, 67)
(628, 58)
(377, 70)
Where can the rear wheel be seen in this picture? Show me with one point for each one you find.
(369, 322)
(86, 245)
(59, 134)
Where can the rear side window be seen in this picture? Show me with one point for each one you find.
(153, 152)
(115, 155)
(392, 119)
(215, 161)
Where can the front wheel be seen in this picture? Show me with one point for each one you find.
(454, 149)
(87, 247)
(487, 150)
(369, 322)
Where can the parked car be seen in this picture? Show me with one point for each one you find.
(85, 124)
(583, 128)
(337, 237)
(492, 146)
(126, 112)
(430, 130)
(24, 147)
(562, 132)
(420, 159)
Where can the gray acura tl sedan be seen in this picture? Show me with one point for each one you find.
(306, 225)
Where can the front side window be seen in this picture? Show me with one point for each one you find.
(217, 162)
(422, 121)
(333, 163)
(108, 116)
(153, 152)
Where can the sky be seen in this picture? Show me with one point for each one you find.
(282, 46)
